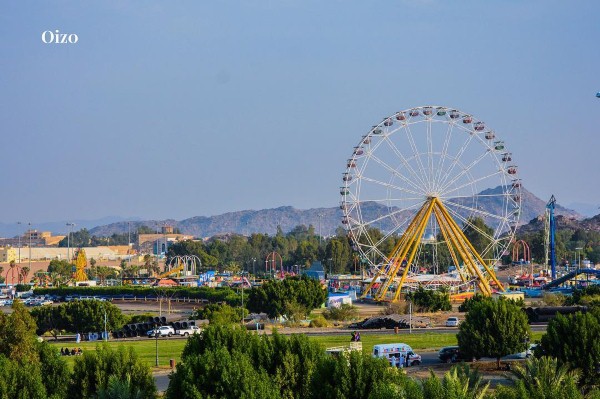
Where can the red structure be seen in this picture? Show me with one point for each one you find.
(16, 275)
(516, 252)
(273, 260)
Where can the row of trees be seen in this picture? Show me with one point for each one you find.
(35, 370)
(229, 362)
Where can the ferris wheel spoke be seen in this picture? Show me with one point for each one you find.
(430, 155)
(420, 198)
(477, 195)
(417, 156)
(396, 173)
(456, 159)
(467, 222)
(475, 210)
(391, 214)
(389, 185)
(444, 154)
(471, 183)
(464, 171)
(404, 160)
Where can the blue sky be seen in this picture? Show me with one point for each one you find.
(177, 109)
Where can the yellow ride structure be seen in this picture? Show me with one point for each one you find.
(80, 265)
(459, 247)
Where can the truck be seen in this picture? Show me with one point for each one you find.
(386, 351)
(188, 331)
(162, 331)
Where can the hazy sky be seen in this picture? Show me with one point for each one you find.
(169, 109)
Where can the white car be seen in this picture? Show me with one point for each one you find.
(163, 331)
(189, 331)
(527, 353)
(452, 322)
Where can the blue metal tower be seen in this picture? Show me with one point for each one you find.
(551, 232)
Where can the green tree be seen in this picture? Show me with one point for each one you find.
(479, 234)
(78, 316)
(493, 328)
(220, 314)
(338, 250)
(60, 267)
(542, 378)
(21, 380)
(430, 300)
(351, 376)
(17, 335)
(459, 383)
(573, 340)
(274, 297)
(93, 370)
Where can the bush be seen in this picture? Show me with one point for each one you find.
(318, 322)
(553, 299)
(469, 302)
(212, 295)
(93, 371)
(220, 314)
(429, 300)
(398, 307)
(343, 313)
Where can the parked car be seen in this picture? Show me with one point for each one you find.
(452, 322)
(188, 331)
(451, 354)
(163, 331)
(527, 353)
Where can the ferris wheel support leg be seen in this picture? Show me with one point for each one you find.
(445, 233)
(478, 256)
(396, 258)
(416, 241)
(468, 253)
(460, 247)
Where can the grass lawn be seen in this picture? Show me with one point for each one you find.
(172, 348)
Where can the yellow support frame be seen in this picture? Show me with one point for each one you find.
(459, 247)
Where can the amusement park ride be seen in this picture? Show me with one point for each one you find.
(416, 175)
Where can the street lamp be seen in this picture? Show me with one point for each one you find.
(578, 257)
(156, 334)
(19, 223)
(254, 269)
(69, 226)
(29, 224)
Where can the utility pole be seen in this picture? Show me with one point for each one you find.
(29, 245)
(19, 223)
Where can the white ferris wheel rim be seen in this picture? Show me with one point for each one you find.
(424, 178)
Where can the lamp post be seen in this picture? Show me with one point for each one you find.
(29, 224)
(156, 334)
(19, 223)
(69, 226)
(578, 257)
(254, 269)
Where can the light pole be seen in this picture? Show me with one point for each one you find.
(254, 269)
(320, 219)
(19, 223)
(29, 224)
(156, 334)
(578, 257)
(69, 226)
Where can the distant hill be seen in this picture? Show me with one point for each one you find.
(324, 220)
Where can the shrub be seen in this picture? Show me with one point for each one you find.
(220, 314)
(318, 321)
(398, 307)
(430, 300)
(343, 313)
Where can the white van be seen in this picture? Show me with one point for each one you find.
(388, 350)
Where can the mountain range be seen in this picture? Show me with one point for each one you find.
(324, 220)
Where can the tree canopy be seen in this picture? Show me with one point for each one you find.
(493, 328)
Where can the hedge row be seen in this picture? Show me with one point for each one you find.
(212, 295)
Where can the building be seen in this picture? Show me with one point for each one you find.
(159, 242)
(8, 254)
(33, 237)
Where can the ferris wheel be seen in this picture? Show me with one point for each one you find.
(426, 178)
